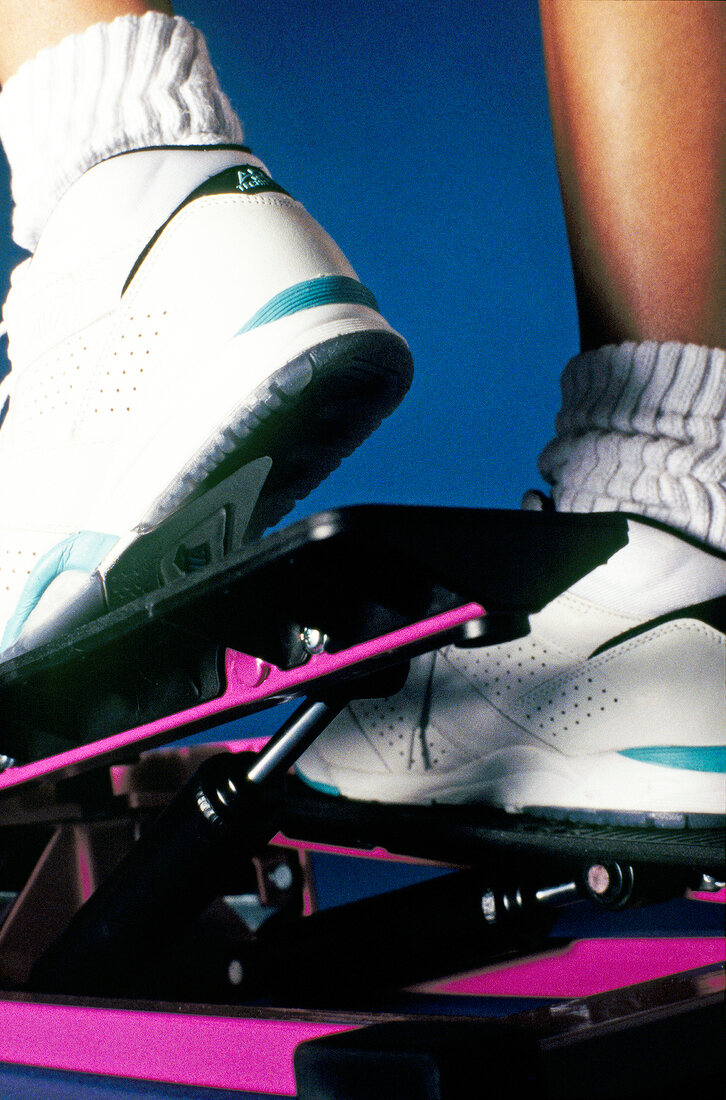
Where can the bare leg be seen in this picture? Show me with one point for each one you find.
(638, 102)
(30, 27)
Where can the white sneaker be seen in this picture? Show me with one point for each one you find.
(145, 374)
(613, 708)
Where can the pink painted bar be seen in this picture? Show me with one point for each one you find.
(719, 897)
(250, 682)
(225, 1052)
(586, 967)
(255, 1055)
(381, 854)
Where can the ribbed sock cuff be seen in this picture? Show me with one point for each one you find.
(137, 83)
(642, 429)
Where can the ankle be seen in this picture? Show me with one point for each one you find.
(638, 432)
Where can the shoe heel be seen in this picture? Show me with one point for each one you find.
(199, 534)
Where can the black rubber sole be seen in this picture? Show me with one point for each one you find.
(310, 415)
(641, 819)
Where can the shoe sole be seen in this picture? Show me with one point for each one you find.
(306, 414)
(644, 819)
(310, 415)
(306, 417)
(519, 791)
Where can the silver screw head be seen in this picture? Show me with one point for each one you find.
(313, 640)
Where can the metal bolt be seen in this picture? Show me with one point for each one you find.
(235, 972)
(314, 641)
(598, 879)
(557, 895)
(611, 884)
(489, 907)
(709, 885)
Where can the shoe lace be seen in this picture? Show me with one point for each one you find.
(419, 732)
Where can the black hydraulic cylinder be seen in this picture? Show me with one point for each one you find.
(170, 876)
(224, 815)
(447, 924)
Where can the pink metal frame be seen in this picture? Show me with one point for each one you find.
(216, 1048)
(216, 1051)
(250, 684)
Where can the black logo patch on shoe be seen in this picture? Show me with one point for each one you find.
(245, 179)
(250, 180)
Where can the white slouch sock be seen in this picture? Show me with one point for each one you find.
(642, 429)
(138, 83)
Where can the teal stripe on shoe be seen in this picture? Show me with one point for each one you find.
(324, 788)
(81, 552)
(704, 758)
(327, 290)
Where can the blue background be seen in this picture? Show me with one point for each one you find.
(417, 133)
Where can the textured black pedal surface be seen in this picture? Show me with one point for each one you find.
(400, 556)
(354, 574)
(468, 834)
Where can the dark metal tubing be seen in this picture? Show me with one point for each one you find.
(291, 740)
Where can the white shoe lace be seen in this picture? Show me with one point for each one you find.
(419, 733)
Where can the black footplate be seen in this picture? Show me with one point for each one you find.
(353, 574)
(470, 834)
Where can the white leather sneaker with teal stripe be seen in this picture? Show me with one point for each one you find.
(613, 708)
(205, 334)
